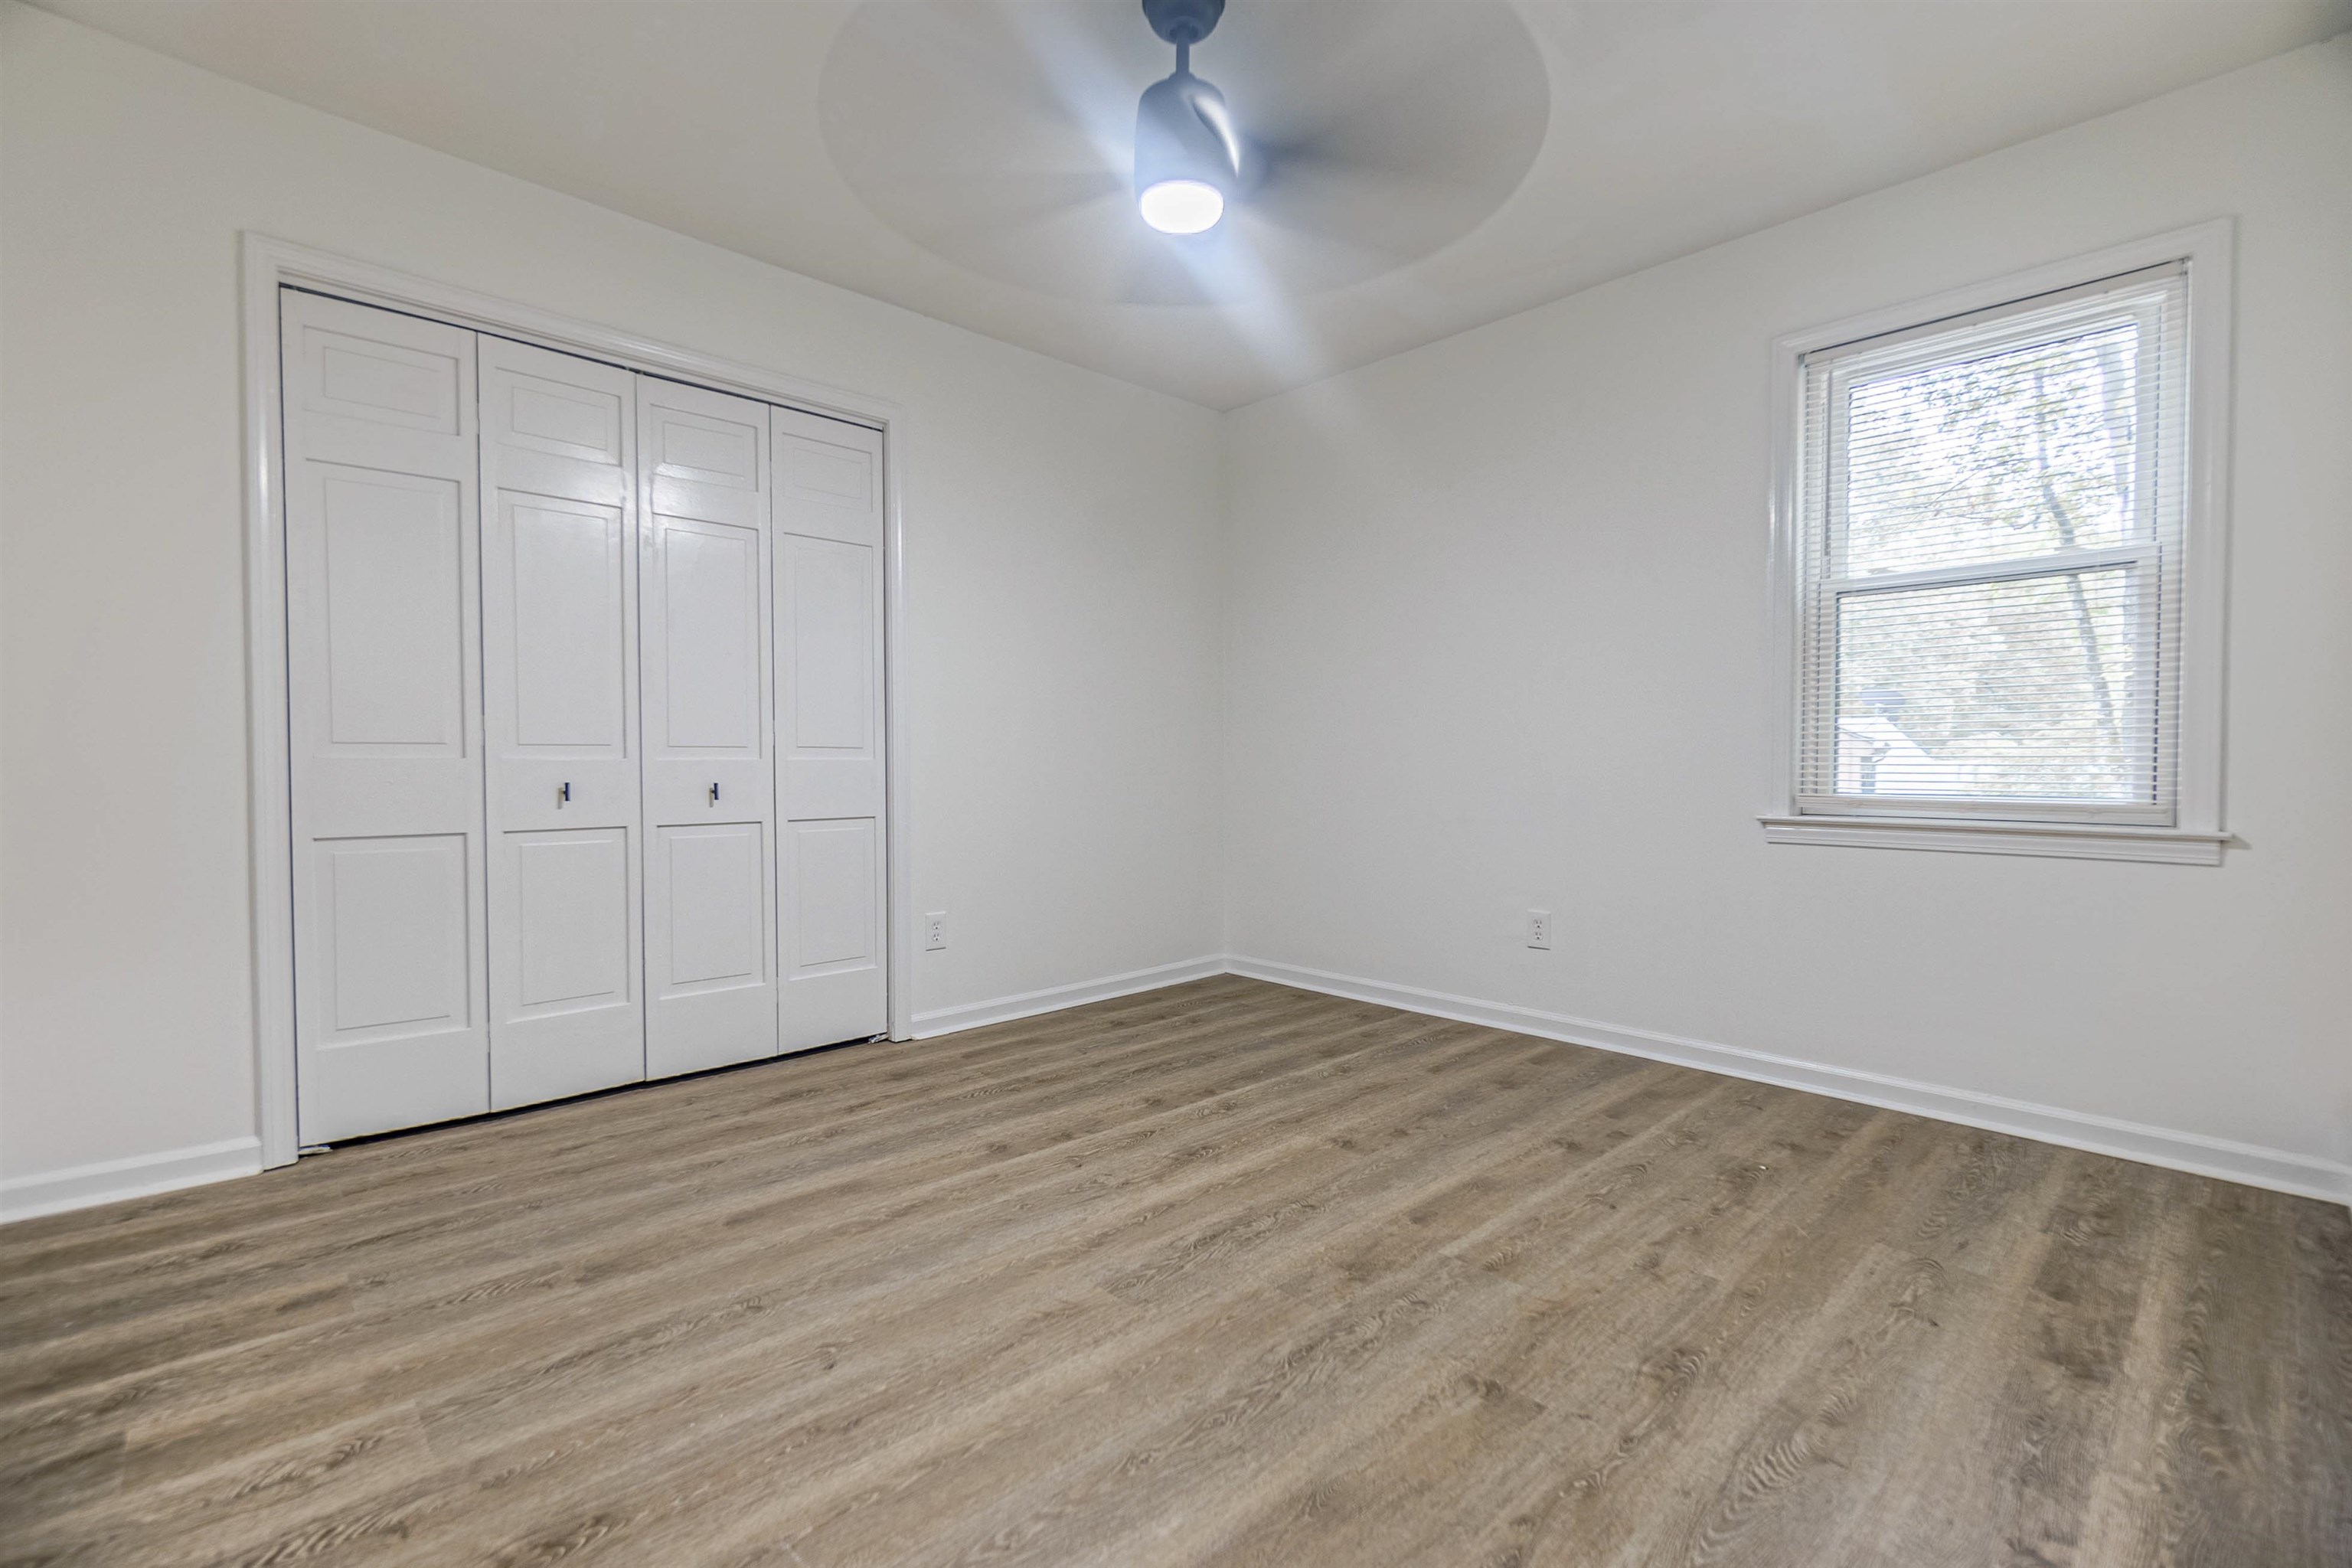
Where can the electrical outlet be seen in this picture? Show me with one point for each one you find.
(935, 929)
(1539, 929)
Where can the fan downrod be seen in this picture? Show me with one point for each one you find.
(1183, 22)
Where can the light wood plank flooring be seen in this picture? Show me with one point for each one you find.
(1226, 1273)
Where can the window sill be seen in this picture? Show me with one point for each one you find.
(2074, 841)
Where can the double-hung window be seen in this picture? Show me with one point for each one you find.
(1990, 600)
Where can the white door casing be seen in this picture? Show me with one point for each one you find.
(384, 738)
(831, 872)
(708, 776)
(560, 697)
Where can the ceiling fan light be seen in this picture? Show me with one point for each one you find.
(1187, 157)
(1182, 206)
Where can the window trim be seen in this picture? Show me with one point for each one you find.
(2195, 834)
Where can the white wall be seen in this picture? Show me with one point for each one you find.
(1062, 659)
(1496, 626)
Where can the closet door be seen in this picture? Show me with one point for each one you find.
(560, 689)
(383, 648)
(710, 786)
(832, 900)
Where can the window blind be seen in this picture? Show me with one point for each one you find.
(1991, 512)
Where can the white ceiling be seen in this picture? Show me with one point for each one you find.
(1673, 125)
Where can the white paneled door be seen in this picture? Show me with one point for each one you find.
(830, 899)
(382, 644)
(585, 722)
(709, 775)
(560, 700)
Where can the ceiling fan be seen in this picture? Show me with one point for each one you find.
(1188, 158)
(1333, 140)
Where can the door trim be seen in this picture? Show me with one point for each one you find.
(269, 264)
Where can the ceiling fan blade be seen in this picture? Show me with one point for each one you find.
(1016, 201)
(1397, 139)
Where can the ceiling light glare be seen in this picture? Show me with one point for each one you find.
(1182, 206)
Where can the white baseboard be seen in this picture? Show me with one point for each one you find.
(1052, 999)
(141, 1175)
(111, 1181)
(2193, 1152)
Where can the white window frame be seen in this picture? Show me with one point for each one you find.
(2189, 831)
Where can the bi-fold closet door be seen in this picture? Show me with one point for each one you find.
(383, 662)
(829, 738)
(551, 625)
(709, 768)
(560, 696)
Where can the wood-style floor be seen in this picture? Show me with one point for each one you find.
(1226, 1273)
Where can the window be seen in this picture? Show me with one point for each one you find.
(1990, 547)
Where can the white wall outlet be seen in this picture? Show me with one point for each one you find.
(935, 929)
(1539, 929)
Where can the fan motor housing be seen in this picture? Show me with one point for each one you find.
(1183, 22)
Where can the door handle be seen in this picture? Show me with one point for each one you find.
(714, 795)
(563, 796)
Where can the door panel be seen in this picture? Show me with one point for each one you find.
(383, 642)
(831, 620)
(693, 440)
(718, 928)
(364, 374)
(708, 776)
(564, 420)
(392, 922)
(833, 948)
(569, 574)
(560, 687)
(711, 653)
(830, 866)
(396, 619)
(571, 889)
